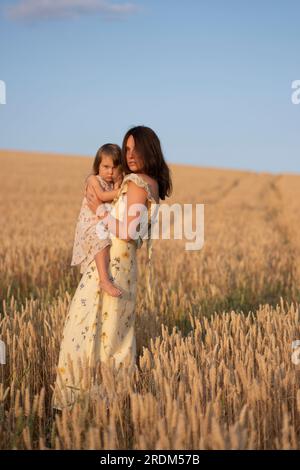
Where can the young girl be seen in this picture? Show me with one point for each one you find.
(87, 244)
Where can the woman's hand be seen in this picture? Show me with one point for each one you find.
(118, 182)
(92, 193)
(93, 204)
(92, 185)
(103, 217)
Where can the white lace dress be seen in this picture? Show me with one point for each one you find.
(86, 241)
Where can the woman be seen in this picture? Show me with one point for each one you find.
(90, 336)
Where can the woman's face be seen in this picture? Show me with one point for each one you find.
(134, 161)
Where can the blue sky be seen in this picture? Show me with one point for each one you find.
(212, 78)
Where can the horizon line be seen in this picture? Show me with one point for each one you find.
(213, 168)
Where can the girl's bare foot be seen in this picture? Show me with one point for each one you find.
(110, 288)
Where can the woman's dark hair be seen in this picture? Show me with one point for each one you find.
(147, 145)
(112, 150)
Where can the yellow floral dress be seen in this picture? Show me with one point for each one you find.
(92, 334)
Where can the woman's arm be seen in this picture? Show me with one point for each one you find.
(107, 196)
(92, 187)
(125, 230)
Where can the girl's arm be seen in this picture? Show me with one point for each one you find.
(125, 230)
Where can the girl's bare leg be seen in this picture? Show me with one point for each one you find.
(102, 263)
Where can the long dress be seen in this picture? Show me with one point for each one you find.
(107, 335)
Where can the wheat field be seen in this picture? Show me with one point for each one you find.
(214, 350)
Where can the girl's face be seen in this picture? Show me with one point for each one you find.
(134, 161)
(106, 168)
